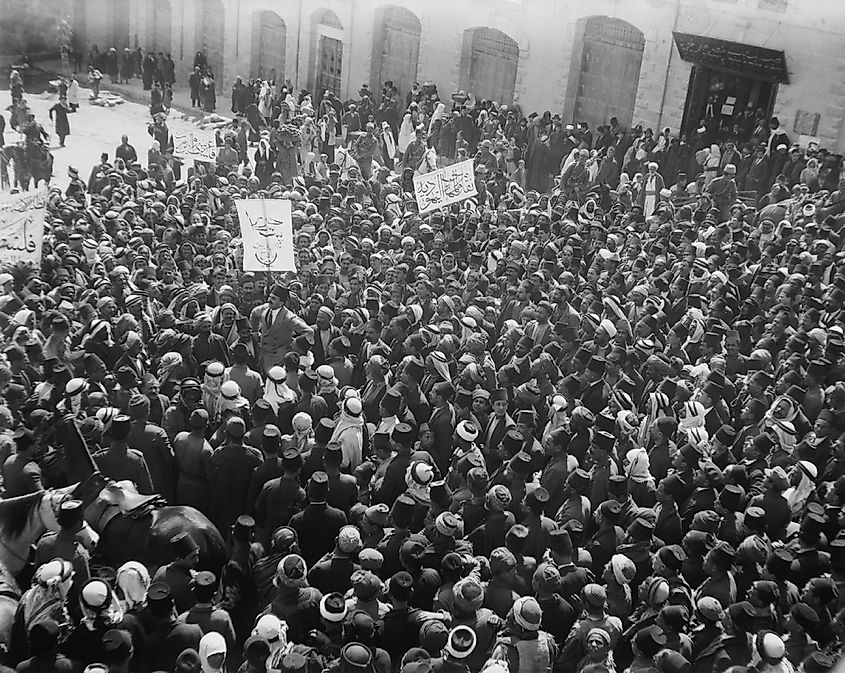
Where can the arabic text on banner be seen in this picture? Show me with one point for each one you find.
(267, 233)
(22, 227)
(193, 146)
(445, 186)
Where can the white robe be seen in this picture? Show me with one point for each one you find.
(73, 93)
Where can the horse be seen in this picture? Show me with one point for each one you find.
(23, 520)
(130, 526)
(142, 532)
(27, 169)
(345, 161)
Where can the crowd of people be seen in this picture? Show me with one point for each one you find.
(591, 420)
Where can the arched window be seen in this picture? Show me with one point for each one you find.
(396, 49)
(610, 57)
(489, 61)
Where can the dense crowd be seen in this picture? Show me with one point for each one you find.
(588, 421)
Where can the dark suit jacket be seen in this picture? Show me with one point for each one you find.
(442, 425)
(494, 436)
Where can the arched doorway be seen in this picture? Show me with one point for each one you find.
(326, 53)
(610, 57)
(158, 27)
(120, 25)
(211, 36)
(396, 49)
(489, 60)
(268, 46)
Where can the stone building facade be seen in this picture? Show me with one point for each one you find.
(661, 63)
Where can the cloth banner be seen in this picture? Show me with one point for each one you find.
(22, 227)
(267, 233)
(191, 145)
(445, 186)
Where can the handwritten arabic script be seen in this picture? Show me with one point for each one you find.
(22, 227)
(445, 186)
(194, 146)
(267, 232)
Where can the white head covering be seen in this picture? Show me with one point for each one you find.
(212, 643)
(133, 578)
(167, 365)
(276, 390)
(406, 133)
(608, 327)
(275, 632)
(638, 466)
(694, 413)
(797, 496)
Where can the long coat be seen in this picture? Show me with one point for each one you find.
(62, 123)
(538, 169)
(233, 465)
(194, 470)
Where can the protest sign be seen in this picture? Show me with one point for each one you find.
(267, 233)
(192, 145)
(22, 227)
(445, 186)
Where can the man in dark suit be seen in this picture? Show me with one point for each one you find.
(324, 332)
(758, 173)
(278, 327)
(251, 341)
(393, 483)
(777, 137)
(497, 427)
(319, 523)
(442, 423)
(554, 475)
(597, 392)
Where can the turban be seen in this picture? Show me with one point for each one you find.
(608, 327)
(623, 568)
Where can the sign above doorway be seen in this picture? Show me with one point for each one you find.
(744, 59)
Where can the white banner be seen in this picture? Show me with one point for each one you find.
(191, 145)
(22, 227)
(267, 233)
(445, 186)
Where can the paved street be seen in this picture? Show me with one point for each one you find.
(93, 130)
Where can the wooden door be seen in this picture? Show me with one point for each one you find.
(272, 36)
(213, 38)
(610, 72)
(329, 65)
(161, 26)
(697, 92)
(400, 49)
(492, 66)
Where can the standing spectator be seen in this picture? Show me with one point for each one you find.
(61, 110)
(194, 82)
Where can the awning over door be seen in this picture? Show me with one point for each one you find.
(742, 59)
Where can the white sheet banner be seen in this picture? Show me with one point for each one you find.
(445, 186)
(267, 233)
(22, 227)
(193, 145)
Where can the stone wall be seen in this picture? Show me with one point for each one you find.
(545, 31)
